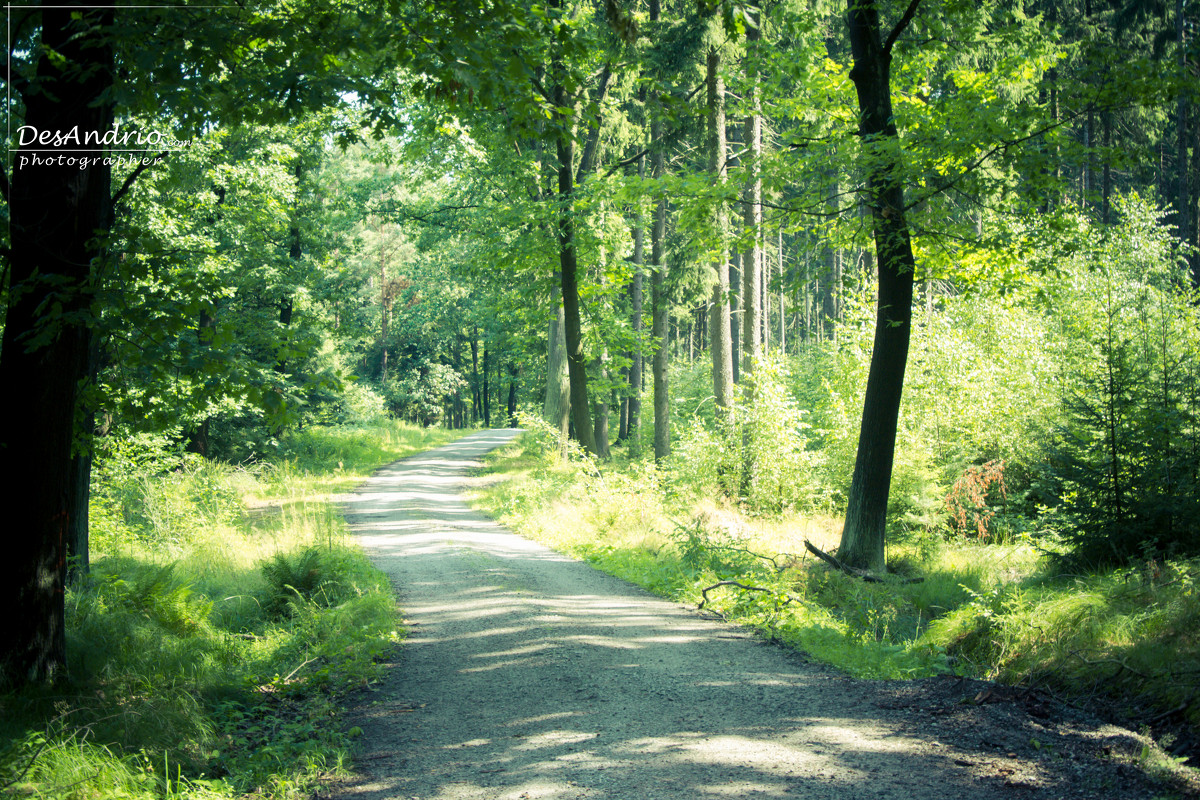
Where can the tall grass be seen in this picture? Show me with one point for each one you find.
(225, 614)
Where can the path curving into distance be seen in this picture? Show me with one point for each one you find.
(526, 674)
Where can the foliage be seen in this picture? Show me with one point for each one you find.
(758, 455)
(212, 640)
(1125, 467)
(967, 501)
(420, 395)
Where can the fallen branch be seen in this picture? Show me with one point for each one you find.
(787, 597)
(857, 573)
(707, 589)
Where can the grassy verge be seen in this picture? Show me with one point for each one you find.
(992, 611)
(225, 615)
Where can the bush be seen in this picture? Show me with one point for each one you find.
(757, 454)
(1127, 459)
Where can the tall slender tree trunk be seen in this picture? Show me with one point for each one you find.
(720, 335)
(863, 544)
(487, 392)
(512, 394)
(633, 411)
(58, 213)
(660, 311)
(782, 301)
(1183, 200)
(752, 260)
(476, 404)
(735, 314)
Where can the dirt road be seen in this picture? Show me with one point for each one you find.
(528, 675)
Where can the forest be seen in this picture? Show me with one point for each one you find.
(871, 325)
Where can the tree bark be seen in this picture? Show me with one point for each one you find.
(557, 408)
(600, 415)
(59, 213)
(512, 395)
(633, 412)
(660, 310)
(568, 257)
(1183, 200)
(476, 405)
(752, 261)
(487, 389)
(569, 265)
(720, 335)
(863, 544)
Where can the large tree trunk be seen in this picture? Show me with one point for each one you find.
(600, 414)
(568, 258)
(862, 545)
(720, 335)
(58, 214)
(569, 264)
(557, 408)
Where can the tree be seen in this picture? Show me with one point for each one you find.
(720, 334)
(58, 213)
(86, 69)
(862, 543)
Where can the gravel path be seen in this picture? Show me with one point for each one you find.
(529, 675)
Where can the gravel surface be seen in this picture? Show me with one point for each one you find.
(527, 674)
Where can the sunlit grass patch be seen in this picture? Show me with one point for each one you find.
(225, 614)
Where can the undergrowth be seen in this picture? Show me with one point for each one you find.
(224, 616)
(988, 610)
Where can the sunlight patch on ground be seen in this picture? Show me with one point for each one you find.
(544, 718)
(555, 739)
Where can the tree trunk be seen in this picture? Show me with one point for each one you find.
(720, 335)
(735, 315)
(476, 405)
(1183, 201)
(782, 302)
(56, 212)
(487, 390)
(752, 261)
(557, 408)
(512, 395)
(660, 311)
(568, 258)
(600, 415)
(633, 412)
(568, 262)
(862, 544)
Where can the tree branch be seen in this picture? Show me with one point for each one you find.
(857, 573)
(909, 13)
(133, 176)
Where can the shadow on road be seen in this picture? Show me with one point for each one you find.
(529, 675)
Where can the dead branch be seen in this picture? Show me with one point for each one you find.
(857, 573)
(787, 598)
(706, 590)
